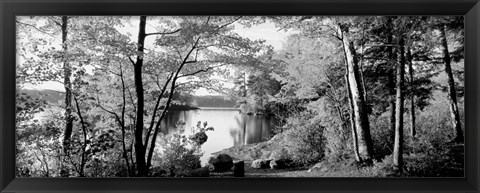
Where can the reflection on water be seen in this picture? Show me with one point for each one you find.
(231, 127)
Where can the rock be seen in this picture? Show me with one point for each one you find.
(211, 167)
(319, 167)
(279, 154)
(280, 163)
(200, 172)
(221, 162)
(261, 163)
(199, 138)
(239, 169)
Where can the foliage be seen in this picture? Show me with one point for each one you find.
(302, 86)
(304, 140)
(200, 136)
(181, 155)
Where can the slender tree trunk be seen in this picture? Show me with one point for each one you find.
(352, 121)
(122, 123)
(84, 146)
(398, 144)
(245, 84)
(68, 86)
(452, 93)
(412, 94)
(391, 85)
(156, 108)
(139, 146)
(172, 90)
(360, 114)
(157, 127)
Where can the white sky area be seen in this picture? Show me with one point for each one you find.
(266, 31)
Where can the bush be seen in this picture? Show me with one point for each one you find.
(304, 141)
(382, 136)
(180, 155)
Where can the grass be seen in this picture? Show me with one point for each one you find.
(445, 163)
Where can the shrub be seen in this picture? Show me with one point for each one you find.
(304, 141)
(180, 155)
(382, 136)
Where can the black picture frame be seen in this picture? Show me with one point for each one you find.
(10, 8)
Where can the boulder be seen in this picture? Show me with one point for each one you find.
(199, 138)
(261, 163)
(279, 154)
(200, 172)
(319, 167)
(221, 162)
(239, 169)
(280, 163)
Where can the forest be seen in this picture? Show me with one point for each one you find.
(344, 96)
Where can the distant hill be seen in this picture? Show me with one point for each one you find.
(213, 101)
(53, 96)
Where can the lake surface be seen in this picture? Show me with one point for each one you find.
(231, 128)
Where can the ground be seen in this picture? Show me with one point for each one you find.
(253, 172)
(447, 164)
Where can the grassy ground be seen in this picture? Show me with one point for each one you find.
(253, 172)
(447, 164)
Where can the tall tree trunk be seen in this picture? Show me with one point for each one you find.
(68, 85)
(139, 146)
(391, 61)
(352, 120)
(122, 123)
(157, 127)
(360, 114)
(412, 94)
(245, 84)
(452, 93)
(84, 145)
(172, 90)
(398, 144)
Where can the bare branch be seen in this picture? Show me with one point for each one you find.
(229, 23)
(55, 21)
(156, 107)
(300, 20)
(199, 71)
(131, 60)
(163, 33)
(51, 34)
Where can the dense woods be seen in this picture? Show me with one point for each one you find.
(350, 96)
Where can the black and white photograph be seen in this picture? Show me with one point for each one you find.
(240, 96)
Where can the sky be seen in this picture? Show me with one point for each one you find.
(266, 31)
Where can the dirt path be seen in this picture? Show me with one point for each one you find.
(255, 173)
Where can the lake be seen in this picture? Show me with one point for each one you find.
(231, 128)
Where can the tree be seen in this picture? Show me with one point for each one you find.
(360, 123)
(409, 60)
(398, 144)
(340, 27)
(68, 86)
(452, 93)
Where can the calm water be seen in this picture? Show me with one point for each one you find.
(231, 127)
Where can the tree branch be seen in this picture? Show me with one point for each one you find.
(131, 60)
(163, 33)
(156, 107)
(51, 34)
(157, 127)
(84, 129)
(199, 71)
(229, 23)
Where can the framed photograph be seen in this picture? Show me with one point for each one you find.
(239, 96)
